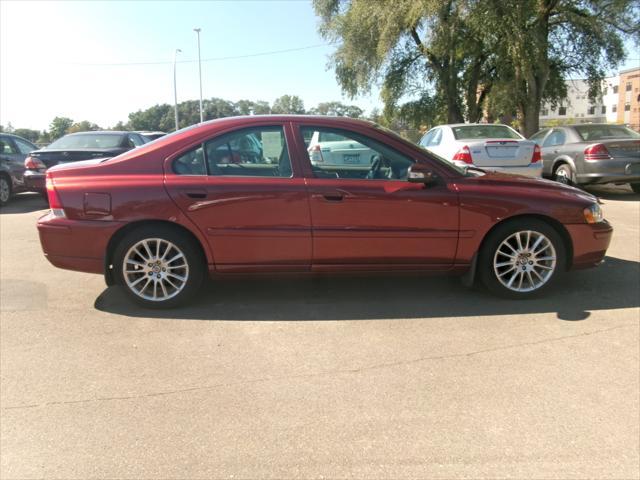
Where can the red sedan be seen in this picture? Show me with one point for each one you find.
(240, 195)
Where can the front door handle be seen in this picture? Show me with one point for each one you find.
(334, 197)
(196, 194)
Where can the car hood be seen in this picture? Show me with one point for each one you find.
(531, 185)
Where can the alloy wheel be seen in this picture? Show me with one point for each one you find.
(5, 190)
(524, 261)
(155, 269)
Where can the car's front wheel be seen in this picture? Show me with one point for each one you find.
(159, 267)
(5, 190)
(520, 259)
(635, 187)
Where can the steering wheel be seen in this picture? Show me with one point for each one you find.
(376, 165)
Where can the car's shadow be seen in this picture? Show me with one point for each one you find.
(614, 285)
(24, 203)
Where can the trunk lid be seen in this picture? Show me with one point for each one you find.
(55, 157)
(623, 148)
(501, 152)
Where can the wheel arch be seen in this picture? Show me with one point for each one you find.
(564, 159)
(130, 227)
(552, 222)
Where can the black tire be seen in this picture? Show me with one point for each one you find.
(564, 173)
(182, 243)
(635, 187)
(489, 257)
(5, 189)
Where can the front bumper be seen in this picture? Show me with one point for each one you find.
(590, 243)
(614, 170)
(35, 181)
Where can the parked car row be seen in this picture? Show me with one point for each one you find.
(23, 165)
(573, 154)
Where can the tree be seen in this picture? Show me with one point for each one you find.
(337, 109)
(288, 104)
(83, 126)
(261, 108)
(155, 118)
(59, 127)
(549, 40)
(424, 49)
(29, 134)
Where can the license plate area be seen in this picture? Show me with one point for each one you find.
(351, 158)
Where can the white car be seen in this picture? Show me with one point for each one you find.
(488, 146)
(328, 148)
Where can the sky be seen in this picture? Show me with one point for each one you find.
(100, 61)
(54, 57)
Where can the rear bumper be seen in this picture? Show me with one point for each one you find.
(35, 181)
(74, 244)
(615, 170)
(590, 243)
(531, 170)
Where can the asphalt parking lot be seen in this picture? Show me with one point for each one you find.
(319, 378)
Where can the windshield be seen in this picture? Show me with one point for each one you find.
(470, 132)
(97, 140)
(590, 133)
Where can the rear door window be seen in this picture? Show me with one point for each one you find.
(555, 138)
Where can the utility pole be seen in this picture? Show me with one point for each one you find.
(175, 88)
(197, 30)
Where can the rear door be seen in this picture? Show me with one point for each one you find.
(251, 203)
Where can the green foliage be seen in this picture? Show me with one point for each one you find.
(31, 135)
(448, 60)
(83, 126)
(288, 104)
(157, 117)
(337, 109)
(59, 127)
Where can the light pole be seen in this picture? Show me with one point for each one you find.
(175, 88)
(197, 30)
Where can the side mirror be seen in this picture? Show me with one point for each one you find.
(421, 174)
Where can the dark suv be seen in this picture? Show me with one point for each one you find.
(13, 151)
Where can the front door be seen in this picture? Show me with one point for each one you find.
(241, 190)
(369, 216)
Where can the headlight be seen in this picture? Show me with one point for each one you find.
(593, 213)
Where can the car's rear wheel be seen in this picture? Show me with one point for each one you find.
(159, 267)
(565, 174)
(520, 259)
(5, 190)
(635, 187)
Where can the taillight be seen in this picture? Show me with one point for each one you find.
(316, 154)
(33, 163)
(537, 155)
(464, 155)
(52, 195)
(596, 152)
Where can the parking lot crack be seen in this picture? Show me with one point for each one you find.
(317, 374)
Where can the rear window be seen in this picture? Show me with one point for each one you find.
(102, 140)
(470, 132)
(590, 133)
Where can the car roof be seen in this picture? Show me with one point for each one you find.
(5, 134)
(99, 132)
